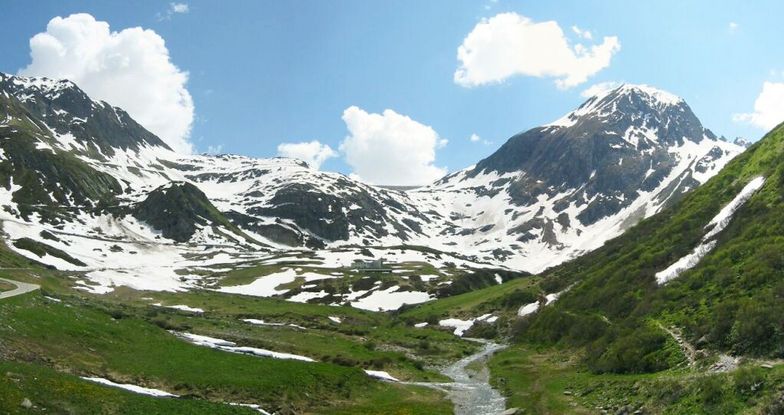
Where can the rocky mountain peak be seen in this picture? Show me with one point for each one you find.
(640, 114)
(77, 122)
(555, 190)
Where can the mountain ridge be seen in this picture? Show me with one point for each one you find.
(622, 156)
(490, 214)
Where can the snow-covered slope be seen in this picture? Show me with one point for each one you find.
(80, 183)
(560, 190)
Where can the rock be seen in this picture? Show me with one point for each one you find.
(511, 411)
(26, 404)
(766, 366)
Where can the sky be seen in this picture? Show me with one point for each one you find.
(394, 92)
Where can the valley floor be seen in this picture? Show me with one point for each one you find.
(52, 340)
(228, 353)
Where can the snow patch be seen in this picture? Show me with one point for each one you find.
(228, 346)
(461, 326)
(390, 299)
(132, 388)
(716, 225)
(380, 374)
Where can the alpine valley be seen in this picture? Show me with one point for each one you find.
(621, 259)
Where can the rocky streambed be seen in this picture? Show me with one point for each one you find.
(470, 389)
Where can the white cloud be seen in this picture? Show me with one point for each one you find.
(130, 69)
(510, 44)
(313, 152)
(599, 88)
(475, 138)
(768, 107)
(582, 33)
(390, 148)
(179, 7)
(174, 8)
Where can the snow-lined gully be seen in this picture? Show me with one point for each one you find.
(470, 390)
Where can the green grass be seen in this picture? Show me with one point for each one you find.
(363, 339)
(731, 301)
(543, 380)
(121, 336)
(75, 337)
(51, 391)
(474, 303)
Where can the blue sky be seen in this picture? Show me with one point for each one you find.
(262, 73)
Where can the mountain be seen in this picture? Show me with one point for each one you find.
(710, 265)
(108, 190)
(81, 177)
(681, 314)
(687, 305)
(555, 192)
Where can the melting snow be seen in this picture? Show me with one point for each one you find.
(228, 346)
(132, 388)
(390, 299)
(264, 323)
(461, 326)
(182, 307)
(265, 286)
(534, 307)
(716, 225)
(380, 374)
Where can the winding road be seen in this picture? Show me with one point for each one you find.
(21, 288)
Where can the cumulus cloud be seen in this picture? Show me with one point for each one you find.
(600, 88)
(313, 152)
(130, 69)
(768, 107)
(510, 44)
(390, 148)
(582, 33)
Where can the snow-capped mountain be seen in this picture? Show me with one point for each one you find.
(283, 201)
(557, 191)
(84, 187)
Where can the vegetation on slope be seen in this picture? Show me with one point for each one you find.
(731, 301)
(606, 344)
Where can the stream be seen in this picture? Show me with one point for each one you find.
(470, 390)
